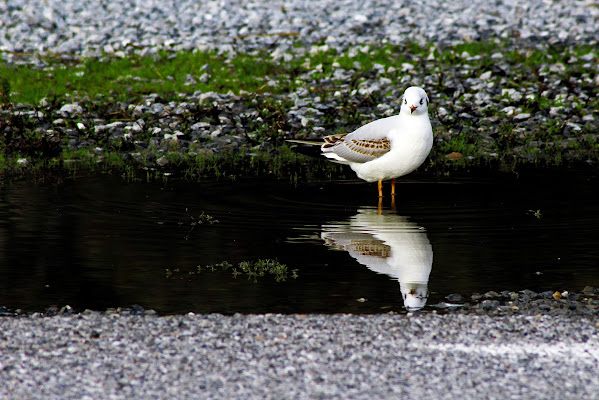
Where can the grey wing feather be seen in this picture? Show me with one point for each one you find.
(359, 151)
(366, 143)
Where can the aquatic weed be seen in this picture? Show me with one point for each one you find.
(252, 269)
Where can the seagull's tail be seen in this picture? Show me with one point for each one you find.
(307, 147)
(307, 142)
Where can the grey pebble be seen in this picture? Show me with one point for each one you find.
(454, 298)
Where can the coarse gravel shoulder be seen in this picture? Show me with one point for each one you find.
(95, 355)
(95, 27)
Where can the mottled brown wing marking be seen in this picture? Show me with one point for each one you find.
(373, 147)
(331, 140)
(374, 248)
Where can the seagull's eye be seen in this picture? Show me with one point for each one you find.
(405, 101)
(420, 101)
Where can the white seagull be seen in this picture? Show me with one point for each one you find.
(386, 148)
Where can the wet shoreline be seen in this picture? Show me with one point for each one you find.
(571, 304)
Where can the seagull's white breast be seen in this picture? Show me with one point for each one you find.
(411, 141)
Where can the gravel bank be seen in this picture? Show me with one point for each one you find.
(92, 27)
(122, 356)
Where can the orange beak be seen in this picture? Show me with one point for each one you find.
(413, 108)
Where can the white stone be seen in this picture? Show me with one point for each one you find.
(557, 68)
(162, 161)
(70, 109)
(486, 75)
(512, 94)
(522, 116)
(199, 125)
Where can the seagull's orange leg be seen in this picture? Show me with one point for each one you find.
(380, 188)
(393, 186)
(380, 206)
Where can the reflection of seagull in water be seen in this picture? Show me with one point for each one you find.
(387, 244)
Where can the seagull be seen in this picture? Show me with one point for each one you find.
(386, 148)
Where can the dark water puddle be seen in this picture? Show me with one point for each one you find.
(99, 243)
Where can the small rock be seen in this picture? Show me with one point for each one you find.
(454, 156)
(512, 94)
(405, 67)
(522, 116)
(528, 294)
(486, 76)
(454, 298)
(491, 294)
(205, 78)
(557, 295)
(199, 125)
(66, 310)
(588, 57)
(590, 291)
(557, 68)
(476, 297)
(489, 305)
(70, 109)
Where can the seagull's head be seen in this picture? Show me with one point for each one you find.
(414, 101)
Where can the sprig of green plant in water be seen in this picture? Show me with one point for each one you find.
(203, 218)
(252, 269)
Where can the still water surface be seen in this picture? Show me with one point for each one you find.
(99, 242)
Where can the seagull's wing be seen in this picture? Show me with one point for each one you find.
(345, 149)
(366, 143)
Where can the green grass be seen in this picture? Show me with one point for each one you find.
(109, 80)
(167, 73)
(127, 79)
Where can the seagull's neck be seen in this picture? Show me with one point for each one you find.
(414, 117)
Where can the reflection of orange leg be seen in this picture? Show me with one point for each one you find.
(380, 188)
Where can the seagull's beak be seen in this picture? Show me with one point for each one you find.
(412, 109)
